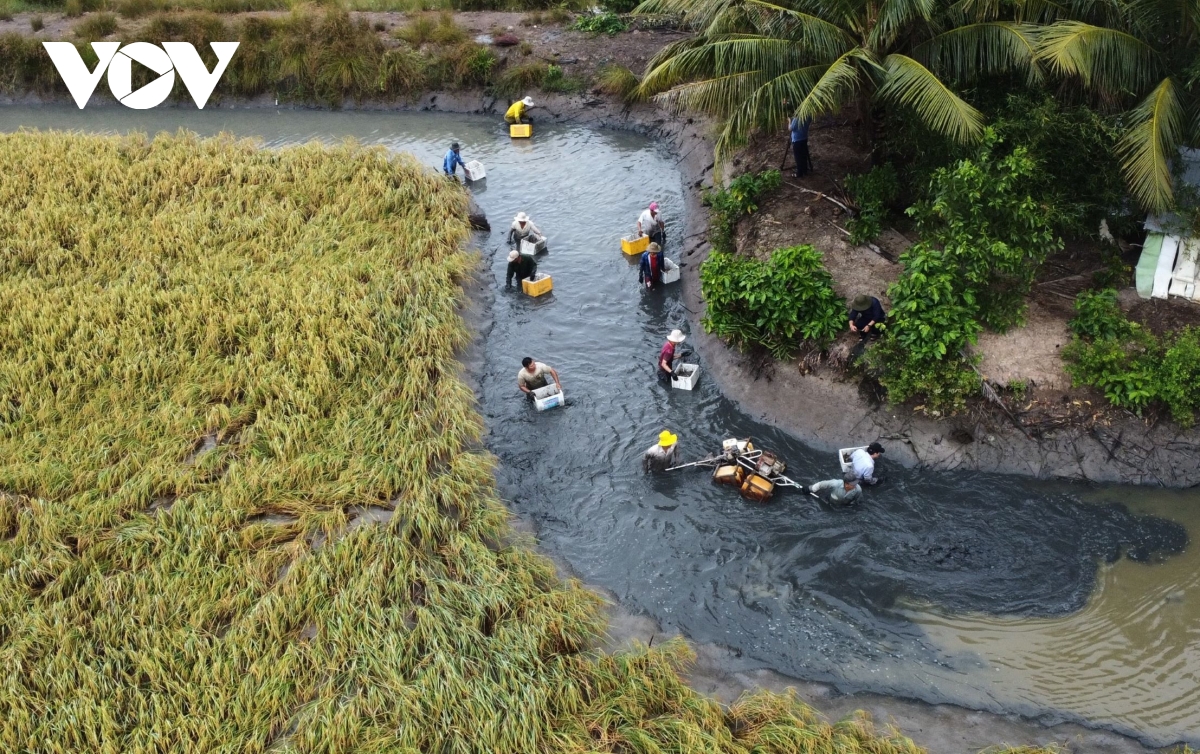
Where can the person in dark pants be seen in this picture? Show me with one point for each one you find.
(650, 267)
(866, 314)
(799, 129)
(666, 357)
(520, 266)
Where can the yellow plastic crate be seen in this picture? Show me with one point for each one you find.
(539, 287)
(520, 131)
(635, 246)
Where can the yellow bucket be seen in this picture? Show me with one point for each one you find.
(520, 131)
(635, 246)
(538, 287)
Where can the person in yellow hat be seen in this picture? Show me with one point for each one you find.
(661, 455)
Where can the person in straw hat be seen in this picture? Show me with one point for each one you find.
(516, 111)
(866, 314)
(522, 229)
(666, 357)
(650, 266)
(661, 455)
(520, 266)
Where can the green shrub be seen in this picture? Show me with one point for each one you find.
(874, 192)
(982, 213)
(518, 80)
(37, 23)
(1131, 366)
(618, 81)
(619, 6)
(731, 204)
(602, 23)
(96, 26)
(776, 304)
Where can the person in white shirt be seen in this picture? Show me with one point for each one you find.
(650, 223)
(522, 227)
(863, 461)
(661, 455)
(533, 375)
(844, 491)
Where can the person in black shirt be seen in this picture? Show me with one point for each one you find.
(866, 314)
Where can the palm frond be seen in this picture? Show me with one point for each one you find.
(1103, 59)
(720, 96)
(1152, 141)
(697, 14)
(836, 85)
(964, 52)
(909, 83)
(719, 58)
(819, 37)
(894, 16)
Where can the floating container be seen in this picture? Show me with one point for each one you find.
(546, 398)
(539, 286)
(520, 131)
(635, 245)
(671, 271)
(474, 170)
(758, 488)
(531, 247)
(731, 474)
(686, 376)
(844, 457)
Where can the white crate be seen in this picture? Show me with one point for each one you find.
(670, 271)
(474, 170)
(844, 457)
(545, 398)
(686, 376)
(533, 245)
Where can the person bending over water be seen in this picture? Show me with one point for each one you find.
(864, 463)
(520, 266)
(533, 376)
(844, 491)
(666, 357)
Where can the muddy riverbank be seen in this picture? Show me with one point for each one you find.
(547, 499)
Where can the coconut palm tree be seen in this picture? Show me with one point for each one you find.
(755, 63)
(1139, 56)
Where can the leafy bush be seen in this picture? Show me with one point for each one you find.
(734, 202)
(603, 23)
(776, 304)
(981, 212)
(1131, 366)
(874, 192)
(96, 26)
(618, 81)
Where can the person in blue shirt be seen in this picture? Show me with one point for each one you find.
(452, 161)
(650, 266)
(799, 129)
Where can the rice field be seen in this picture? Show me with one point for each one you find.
(243, 504)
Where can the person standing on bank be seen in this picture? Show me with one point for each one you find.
(666, 357)
(533, 376)
(452, 160)
(863, 462)
(661, 456)
(866, 314)
(650, 223)
(520, 266)
(650, 267)
(799, 129)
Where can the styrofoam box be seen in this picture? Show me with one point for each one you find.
(545, 398)
(686, 377)
(536, 246)
(670, 271)
(474, 170)
(844, 457)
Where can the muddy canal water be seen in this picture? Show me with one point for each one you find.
(986, 591)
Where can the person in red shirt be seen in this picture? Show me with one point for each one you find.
(666, 356)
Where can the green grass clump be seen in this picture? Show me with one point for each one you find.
(96, 26)
(213, 359)
(618, 81)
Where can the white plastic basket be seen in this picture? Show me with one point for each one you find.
(545, 398)
(686, 376)
(533, 245)
(474, 170)
(844, 457)
(671, 271)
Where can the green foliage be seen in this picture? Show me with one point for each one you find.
(731, 204)
(36, 23)
(983, 238)
(619, 6)
(981, 212)
(96, 26)
(1131, 366)
(874, 192)
(602, 23)
(776, 304)
(618, 81)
